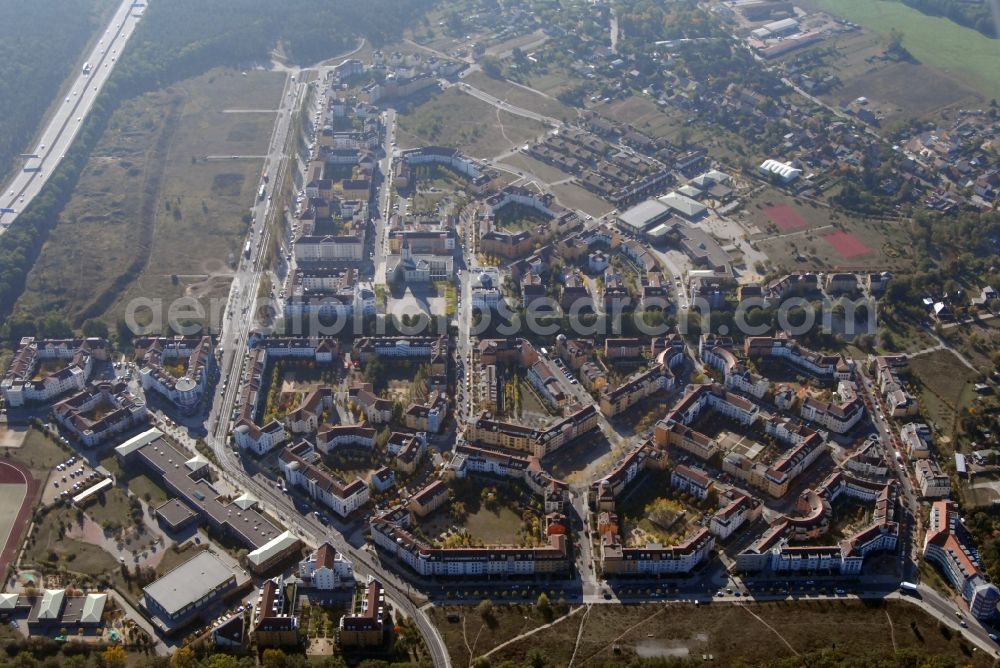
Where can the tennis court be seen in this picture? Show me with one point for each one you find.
(785, 217)
(846, 244)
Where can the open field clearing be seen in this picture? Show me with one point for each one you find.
(158, 210)
(547, 173)
(934, 41)
(455, 119)
(896, 90)
(553, 81)
(751, 632)
(575, 197)
(39, 452)
(946, 387)
(520, 97)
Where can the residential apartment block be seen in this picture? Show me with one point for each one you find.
(948, 546)
(932, 481)
(177, 368)
(326, 569)
(539, 442)
(390, 531)
(100, 411)
(300, 465)
(45, 369)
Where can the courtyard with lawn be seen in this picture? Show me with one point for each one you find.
(486, 512)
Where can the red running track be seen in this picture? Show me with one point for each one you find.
(12, 472)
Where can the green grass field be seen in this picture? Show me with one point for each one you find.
(39, 452)
(575, 197)
(494, 528)
(172, 558)
(11, 497)
(934, 41)
(110, 508)
(48, 545)
(141, 485)
(546, 173)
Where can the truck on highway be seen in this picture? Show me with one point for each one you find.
(907, 587)
(265, 177)
(261, 192)
(86, 69)
(246, 251)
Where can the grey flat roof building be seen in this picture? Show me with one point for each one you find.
(190, 588)
(187, 477)
(644, 215)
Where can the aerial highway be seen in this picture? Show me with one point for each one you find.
(41, 160)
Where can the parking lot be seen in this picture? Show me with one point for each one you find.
(68, 479)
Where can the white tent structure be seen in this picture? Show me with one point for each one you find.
(785, 172)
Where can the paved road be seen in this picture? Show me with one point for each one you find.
(384, 211)
(238, 317)
(501, 104)
(233, 345)
(68, 117)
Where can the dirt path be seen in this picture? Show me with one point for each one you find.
(532, 632)
(774, 630)
(892, 631)
(475, 642)
(465, 639)
(624, 633)
(579, 635)
(502, 130)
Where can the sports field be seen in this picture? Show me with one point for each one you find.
(16, 488)
(785, 218)
(846, 244)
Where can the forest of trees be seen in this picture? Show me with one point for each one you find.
(175, 40)
(646, 21)
(975, 14)
(41, 44)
